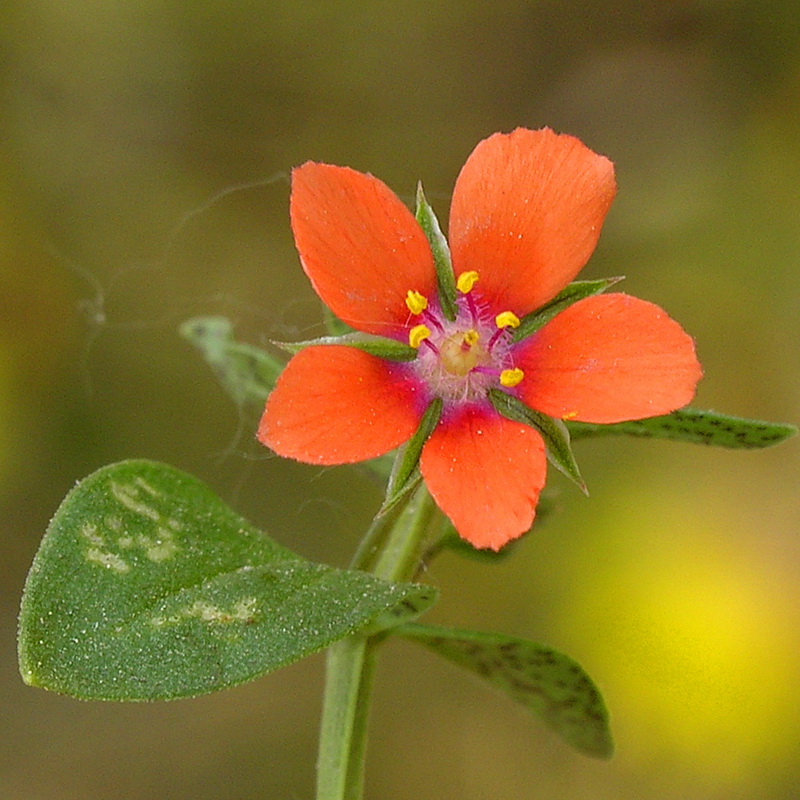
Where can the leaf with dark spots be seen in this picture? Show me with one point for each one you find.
(547, 682)
(693, 425)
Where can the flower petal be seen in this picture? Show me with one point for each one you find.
(485, 472)
(337, 405)
(526, 215)
(360, 246)
(608, 358)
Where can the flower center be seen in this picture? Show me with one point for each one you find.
(461, 360)
(461, 352)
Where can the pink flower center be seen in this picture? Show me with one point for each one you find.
(460, 360)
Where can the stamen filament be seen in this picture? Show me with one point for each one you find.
(496, 336)
(473, 309)
(431, 320)
(431, 346)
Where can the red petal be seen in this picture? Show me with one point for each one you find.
(608, 359)
(360, 246)
(526, 215)
(336, 405)
(485, 472)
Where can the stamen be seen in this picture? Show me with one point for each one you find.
(570, 415)
(508, 319)
(511, 377)
(416, 302)
(418, 334)
(466, 280)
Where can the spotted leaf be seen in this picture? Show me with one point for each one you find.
(547, 682)
(694, 425)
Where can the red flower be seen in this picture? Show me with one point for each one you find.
(526, 215)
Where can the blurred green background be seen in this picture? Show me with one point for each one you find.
(675, 584)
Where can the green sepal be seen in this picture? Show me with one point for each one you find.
(451, 541)
(554, 432)
(248, 373)
(441, 255)
(693, 425)
(334, 325)
(147, 586)
(380, 346)
(551, 685)
(578, 290)
(405, 473)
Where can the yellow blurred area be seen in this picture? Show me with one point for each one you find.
(697, 655)
(145, 150)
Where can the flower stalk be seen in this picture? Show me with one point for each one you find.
(350, 666)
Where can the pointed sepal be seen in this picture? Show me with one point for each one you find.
(379, 346)
(333, 324)
(441, 254)
(553, 431)
(405, 474)
(578, 290)
(452, 542)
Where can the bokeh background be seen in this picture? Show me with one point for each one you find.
(144, 179)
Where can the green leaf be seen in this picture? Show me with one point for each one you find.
(147, 586)
(405, 473)
(578, 290)
(692, 425)
(374, 345)
(248, 373)
(547, 682)
(441, 255)
(554, 432)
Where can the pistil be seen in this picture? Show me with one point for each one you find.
(461, 360)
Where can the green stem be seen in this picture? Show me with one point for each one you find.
(349, 673)
(350, 667)
(398, 559)
(370, 546)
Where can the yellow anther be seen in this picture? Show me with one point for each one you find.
(418, 334)
(511, 377)
(416, 302)
(571, 415)
(508, 319)
(466, 280)
(471, 337)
